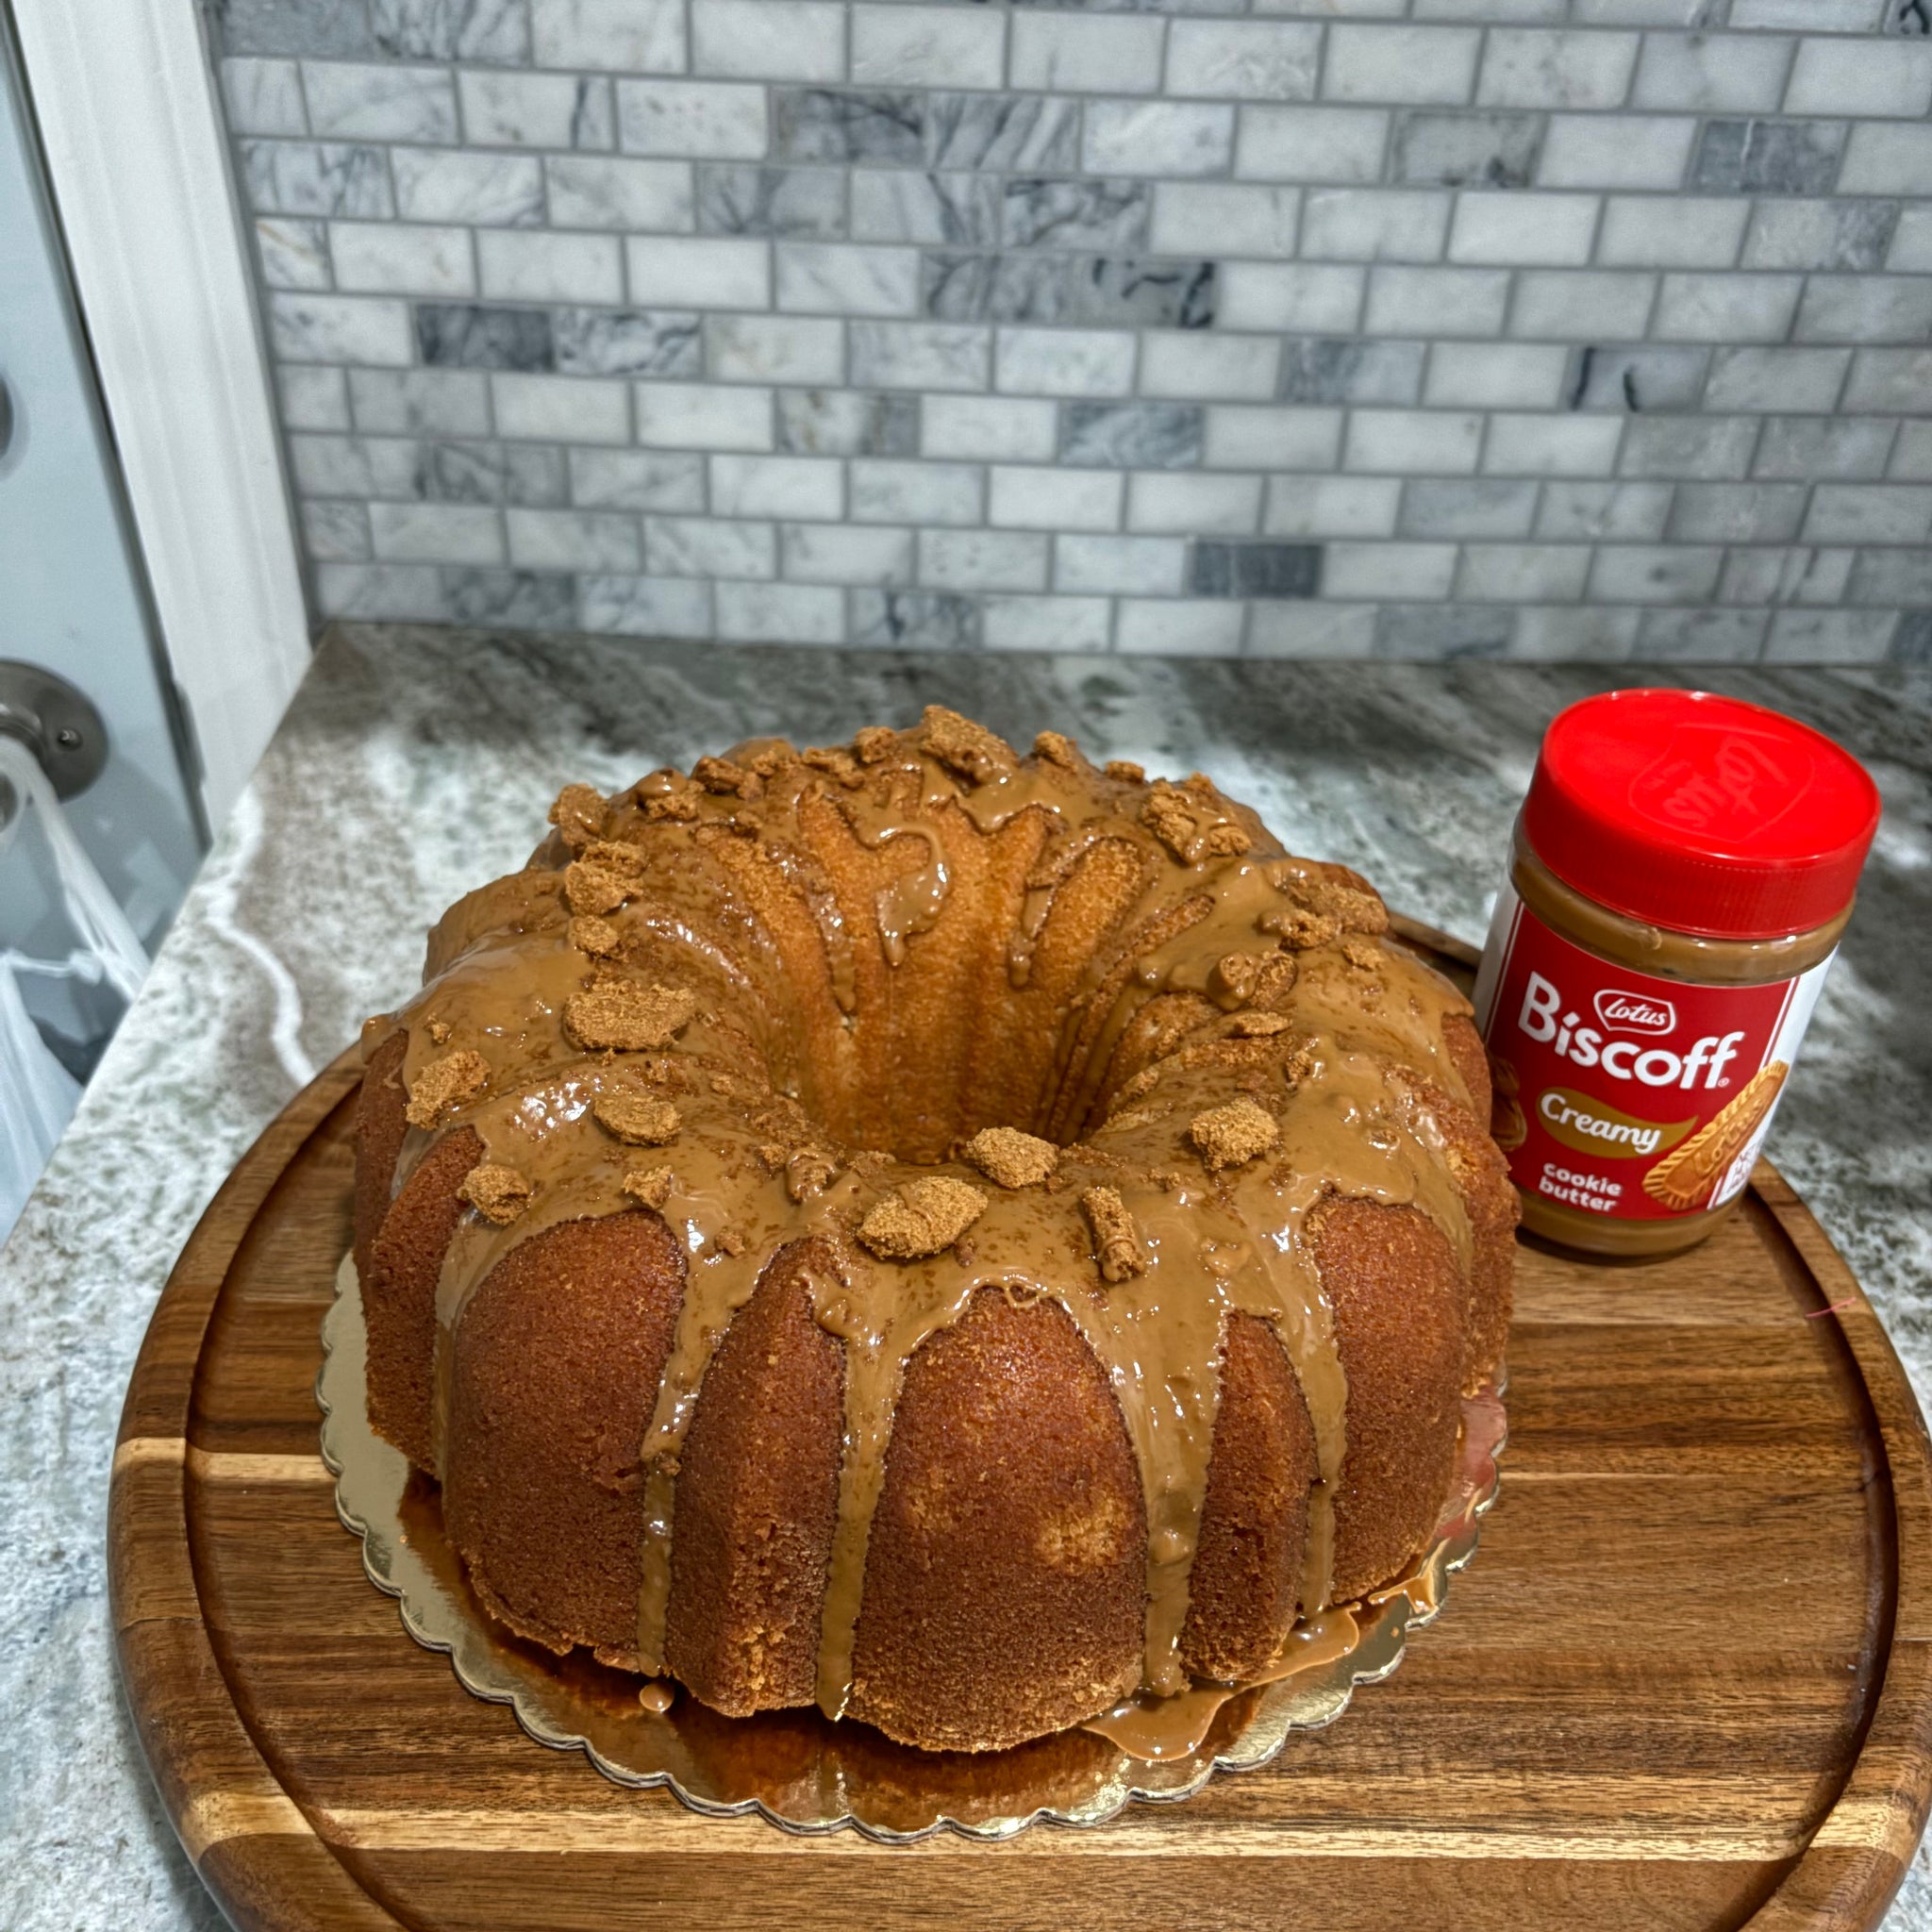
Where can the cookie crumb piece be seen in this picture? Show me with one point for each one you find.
(1125, 771)
(445, 1084)
(875, 743)
(439, 1032)
(615, 855)
(577, 814)
(921, 1218)
(593, 889)
(1231, 1135)
(594, 935)
(1301, 927)
(837, 763)
(1300, 1065)
(1189, 819)
(1231, 980)
(725, 779)
(637, 1118)
(649, 1185)
(1274, 981)
(1331, 893)
(971, 750)
(734, 1240)
(627, 1018)
(678, 807)
(1259, 1025)
(497, 1193)
(1010, 1158)
(1056, 748)
(1116, 1239)
(807, 1173)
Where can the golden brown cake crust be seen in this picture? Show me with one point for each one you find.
(1022, 1223)
(1010, 1528)
(553, 1373)
(1393, 1280)
(1245, 1589)
(752, 1538)
(399, 1301)
(379, 1129)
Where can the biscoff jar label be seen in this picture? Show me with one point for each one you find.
(1625, 1095)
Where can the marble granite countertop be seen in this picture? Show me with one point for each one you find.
(417, 763)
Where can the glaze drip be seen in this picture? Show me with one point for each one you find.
(1111, 979)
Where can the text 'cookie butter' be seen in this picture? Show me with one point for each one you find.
(1684, 865)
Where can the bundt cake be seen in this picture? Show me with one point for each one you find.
(952, 1237)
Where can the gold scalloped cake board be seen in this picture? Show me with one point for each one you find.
(798, 1769)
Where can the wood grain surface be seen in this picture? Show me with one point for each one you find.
(1687, 1681)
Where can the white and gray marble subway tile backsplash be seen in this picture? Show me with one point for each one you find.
(1544, 328)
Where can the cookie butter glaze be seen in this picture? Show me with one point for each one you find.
(1128, 956)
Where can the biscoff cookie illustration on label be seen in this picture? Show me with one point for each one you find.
(1685, 1179)
(1684, 866)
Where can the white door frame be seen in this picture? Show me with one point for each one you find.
(123, 98)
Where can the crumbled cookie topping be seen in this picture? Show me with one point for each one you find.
(652, 1186)
(808, 1172)
(439, 1032)
(1274, 981)
(445, 1084)
(594, 935)
(837, 763)
(875, 743)
(619, 1014)
(1116, 1238)
(591, 889)
(1056, 748)
(1011, 1159)
(666, 794)
(1187, 819)
(615, 856)
(577, 814)
(959, 744)
(725, 779)
(638, 1118)
(1300, 926)
(1231, 978)
(1331, 893)
(921, 1218)
(1125, 771)
(497, 1193)
(1259, 1025)
(1231, 1135)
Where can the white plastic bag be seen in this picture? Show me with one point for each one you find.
(38, 1095)
(100, 927)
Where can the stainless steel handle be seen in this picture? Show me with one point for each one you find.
(56, 723)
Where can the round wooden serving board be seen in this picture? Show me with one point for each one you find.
(1687, 1681)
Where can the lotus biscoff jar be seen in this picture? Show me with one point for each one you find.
(1683, 866)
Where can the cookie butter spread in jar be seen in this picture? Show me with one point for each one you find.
(1683, 866)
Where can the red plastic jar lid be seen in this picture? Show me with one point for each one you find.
(1701, 813)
